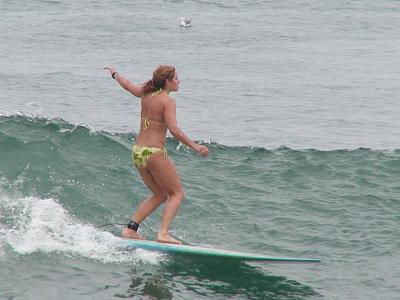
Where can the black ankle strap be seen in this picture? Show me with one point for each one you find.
(133, 225)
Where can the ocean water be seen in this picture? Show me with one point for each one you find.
(296, 100)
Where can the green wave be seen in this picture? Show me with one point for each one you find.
(270, 193)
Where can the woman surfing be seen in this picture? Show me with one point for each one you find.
(149, 155)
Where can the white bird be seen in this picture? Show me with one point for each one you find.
(185, 22)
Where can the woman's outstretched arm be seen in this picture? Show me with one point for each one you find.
(135, 89)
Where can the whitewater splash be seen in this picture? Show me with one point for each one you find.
(31, 225)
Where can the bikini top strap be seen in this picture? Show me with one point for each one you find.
(146, 123)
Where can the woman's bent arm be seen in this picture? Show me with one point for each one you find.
(170, 120)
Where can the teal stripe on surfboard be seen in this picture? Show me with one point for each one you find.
(211, 252)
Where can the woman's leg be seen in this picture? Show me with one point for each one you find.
(148, 205)
(165, 175)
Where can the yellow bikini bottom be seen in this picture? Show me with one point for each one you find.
(141, 154)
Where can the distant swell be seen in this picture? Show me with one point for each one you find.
(28, 128)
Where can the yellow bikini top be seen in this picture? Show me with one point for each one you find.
(146, 123)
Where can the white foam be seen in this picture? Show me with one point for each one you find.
(44, 225)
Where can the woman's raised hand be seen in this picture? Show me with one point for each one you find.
(111, 69)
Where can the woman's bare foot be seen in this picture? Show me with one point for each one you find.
(166, 238)
(131, 234)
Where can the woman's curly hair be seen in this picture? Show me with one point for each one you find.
(160, 76)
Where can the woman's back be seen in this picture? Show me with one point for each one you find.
(152, 126)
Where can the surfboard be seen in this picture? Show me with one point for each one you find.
(211, 252)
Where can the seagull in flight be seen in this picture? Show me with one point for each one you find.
(185, 22)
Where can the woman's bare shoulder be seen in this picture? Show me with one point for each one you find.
(169, 99)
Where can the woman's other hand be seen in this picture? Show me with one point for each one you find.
(203, 150)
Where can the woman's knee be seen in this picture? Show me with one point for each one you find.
(178, 194)
(160, 196)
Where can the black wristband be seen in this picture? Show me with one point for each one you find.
(113, 74)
